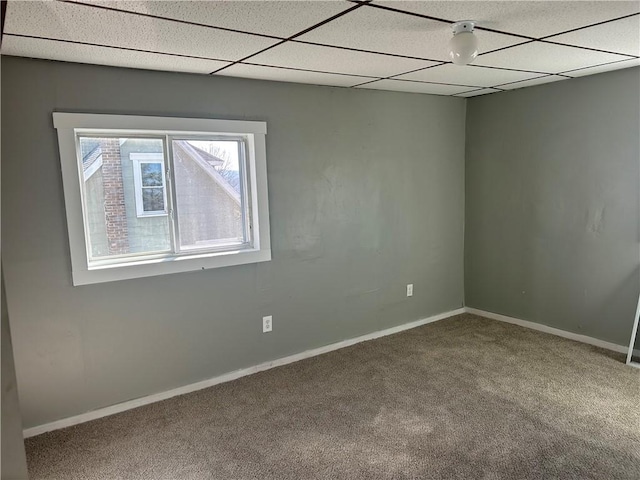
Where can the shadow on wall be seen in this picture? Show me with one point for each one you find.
(13, 463)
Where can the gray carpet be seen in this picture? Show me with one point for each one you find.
(466, 398)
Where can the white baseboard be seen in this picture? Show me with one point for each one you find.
(546, 329)
(227, 377)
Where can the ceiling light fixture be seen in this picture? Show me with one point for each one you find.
(463, 47)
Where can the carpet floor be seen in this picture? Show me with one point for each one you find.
(462, 398)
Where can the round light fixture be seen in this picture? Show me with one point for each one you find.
(463, 47)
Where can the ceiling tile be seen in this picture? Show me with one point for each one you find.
(348, 44)
(73, 52)
(287, 75)
(378, 30)
(330, 59)
(545, 57)
(530, 83)
(534, 19)
(415, 87)
(84, 24)
(607, 67)
(467, 75)
(475, 93)
(621, 36)
(278, 18)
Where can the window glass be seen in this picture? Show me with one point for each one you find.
(153, 199)
(150, 186)
(209, 189)
(111, 197)
(151, 174)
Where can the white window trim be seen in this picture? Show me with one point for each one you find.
(138, 159)
(70, 124)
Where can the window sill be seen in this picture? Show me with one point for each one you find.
(168, 265)
(152, 215)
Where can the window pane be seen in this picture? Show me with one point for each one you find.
(209, 192)
(113, 226)
(153, 199)
(151, 174)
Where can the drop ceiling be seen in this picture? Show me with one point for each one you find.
(383, 45)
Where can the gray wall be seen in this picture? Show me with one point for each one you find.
(13, 460)
(552, 208)
(366, 193)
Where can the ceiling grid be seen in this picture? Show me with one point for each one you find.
(384, 45)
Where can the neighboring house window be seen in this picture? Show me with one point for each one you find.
(154, 195)
(150, 184)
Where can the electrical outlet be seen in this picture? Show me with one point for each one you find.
(410, 290)
(267, 324)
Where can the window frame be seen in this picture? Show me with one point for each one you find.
(70, 125)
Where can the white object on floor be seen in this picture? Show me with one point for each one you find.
(634, 333)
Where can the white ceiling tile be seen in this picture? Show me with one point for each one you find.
(475, 93)
(530, 83)
(73, 52)
(330, 59)
(608, 67)
(410, 42)
(531, 18)
(545, 57)
(374, 29)
(85, 24)
(286, 75)
(467, 75)
(278, 18)
(415, 87)
(621, 36)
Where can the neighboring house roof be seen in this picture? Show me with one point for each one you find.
(231, 176)
(92, 162)
(206, 161)
(91, 155)
(208, 157)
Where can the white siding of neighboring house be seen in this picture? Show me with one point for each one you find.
(95, 214)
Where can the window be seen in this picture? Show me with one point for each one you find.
(154, 195)
(150, 184)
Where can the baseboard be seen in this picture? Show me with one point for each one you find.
(546, 329)
(139, 402)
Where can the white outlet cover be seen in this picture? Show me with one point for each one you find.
(267, 324)
(410, 290)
